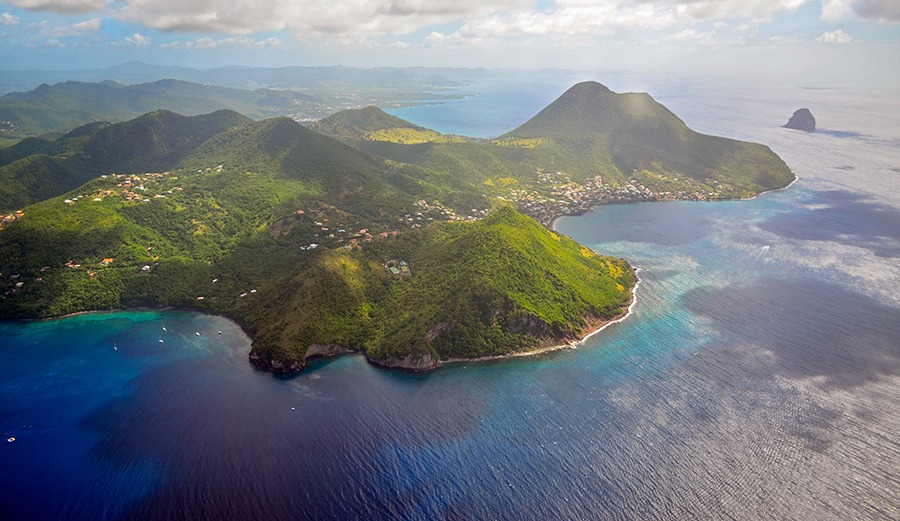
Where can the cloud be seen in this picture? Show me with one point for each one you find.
(833, 10)
(9, 19)
(61, 6)
(593, 17)
(215, 43)
(879, 10)
(64, 31)
(838, 36)
(135, 40)
(882, 10)
(348, 18)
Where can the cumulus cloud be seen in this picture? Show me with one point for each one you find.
(214, 43)
(879, 10)
(882, 10)
(838, 36)
(61, 6)
(329, 17)
(592, 17)
(9, 19)
(837, 9)
(135, 40)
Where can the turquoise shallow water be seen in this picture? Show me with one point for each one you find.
(755, 379)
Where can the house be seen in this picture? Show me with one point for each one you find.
(107, 261)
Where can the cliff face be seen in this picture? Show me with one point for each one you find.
(411, 362)
(802, 119)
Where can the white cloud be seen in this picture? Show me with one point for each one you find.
(61, 6)
(135, 40)
(347, 18)
(215, 43)
(64, 31)
(833, 10)
(9, 19)
(593, 17)
(364, 18)
(838, 36)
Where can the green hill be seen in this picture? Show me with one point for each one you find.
(637, 134)
(314, 247)
(356, 123)
(590, 143)
(37, 169)
(70, 104)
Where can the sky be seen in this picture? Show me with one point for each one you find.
(827, 38)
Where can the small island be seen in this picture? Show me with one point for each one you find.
(411, 247)
(802, 119)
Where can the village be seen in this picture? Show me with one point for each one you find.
(556, 194)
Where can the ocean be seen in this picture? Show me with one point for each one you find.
(758, 376)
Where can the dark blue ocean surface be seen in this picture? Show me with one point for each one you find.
(757, 378)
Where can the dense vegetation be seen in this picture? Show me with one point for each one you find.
(306, 242)
(36, 169)
(589, 131)
(316, 247)
(65, 106)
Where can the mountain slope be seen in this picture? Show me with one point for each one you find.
(638, 134)
(70, 104)
(633, 143)
(154, 141)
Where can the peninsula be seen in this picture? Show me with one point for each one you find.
(387, 238)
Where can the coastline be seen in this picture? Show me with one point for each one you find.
(600, 326)
(552, 224)
(796, 178)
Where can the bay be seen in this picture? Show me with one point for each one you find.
(756, 378)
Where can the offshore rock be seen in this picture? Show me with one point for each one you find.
(802, 120)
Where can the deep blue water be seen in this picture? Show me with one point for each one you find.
(757, 378)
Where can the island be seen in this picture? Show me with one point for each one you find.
(411, 247)
(801, 119)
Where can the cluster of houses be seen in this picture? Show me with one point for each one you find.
(329, 232)
(6, 219)
(132, 187)
(564, 196)
(428, 212)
